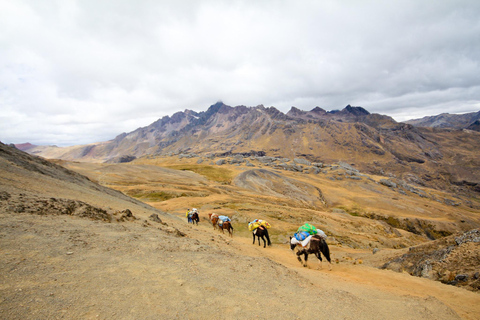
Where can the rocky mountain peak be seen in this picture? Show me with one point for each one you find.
(318, 110)
(357, 111)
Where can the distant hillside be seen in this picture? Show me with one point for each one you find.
(446, 120)
(34, 177)
(25, 146)
(373, 143)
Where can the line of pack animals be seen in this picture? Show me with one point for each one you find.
(307, 240)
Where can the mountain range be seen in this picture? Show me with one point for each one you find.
(439, 152)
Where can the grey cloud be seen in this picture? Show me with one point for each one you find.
(120, 65)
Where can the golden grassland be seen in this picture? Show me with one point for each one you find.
(358, 213)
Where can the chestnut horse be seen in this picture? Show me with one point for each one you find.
(316, 246)
(226, 226)
(213, 219)
(261, 232)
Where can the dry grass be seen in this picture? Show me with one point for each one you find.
(216, 174)
(376, 216)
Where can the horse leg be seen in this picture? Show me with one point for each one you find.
(326, 253)
(253, 238)
(306, 259)
(299, 253)
(264, 242)
(268, 237)
(328, 260)
(319, 256)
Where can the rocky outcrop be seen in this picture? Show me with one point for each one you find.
(453, 260)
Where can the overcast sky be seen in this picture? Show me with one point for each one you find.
(77, 72)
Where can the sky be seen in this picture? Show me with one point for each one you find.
(79, 72)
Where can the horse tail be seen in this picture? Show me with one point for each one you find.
(325, 250)
(268, 237)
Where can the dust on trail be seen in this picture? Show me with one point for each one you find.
(63, 267)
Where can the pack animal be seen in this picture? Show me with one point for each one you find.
(261, 233)
(195, 219)
(317, 246)
(213, 219)
(226, 226)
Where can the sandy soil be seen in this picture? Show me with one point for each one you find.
(63, 267)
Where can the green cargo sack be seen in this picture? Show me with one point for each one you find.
(307, 227)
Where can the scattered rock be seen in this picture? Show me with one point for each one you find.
(388, 183)
(155, 218)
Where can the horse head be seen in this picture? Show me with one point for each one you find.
(292, 245)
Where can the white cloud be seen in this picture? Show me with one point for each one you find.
(76, 72)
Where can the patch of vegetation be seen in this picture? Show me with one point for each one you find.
(415, 226)
(158, 196)
(354, 211)
(393, 222)
(221, 175)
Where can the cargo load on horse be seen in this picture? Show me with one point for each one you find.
(224, 224)
(257, 223)
(307, 240)
(307, 227)
(304, 234)
(222, 219)
(259, 229)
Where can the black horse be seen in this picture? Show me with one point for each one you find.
(316, 246)
(262, 233)
(195, 219)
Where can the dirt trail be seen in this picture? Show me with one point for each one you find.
(362, 280)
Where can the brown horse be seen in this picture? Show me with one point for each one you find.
(213, 219)
(226, 226)
(195, 219)
(316, 246)
(262, 233)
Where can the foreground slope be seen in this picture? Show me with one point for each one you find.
(56, 264)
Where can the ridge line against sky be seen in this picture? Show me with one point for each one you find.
(78, 72)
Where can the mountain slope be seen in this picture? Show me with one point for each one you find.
(376, 144)
(446, 120)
